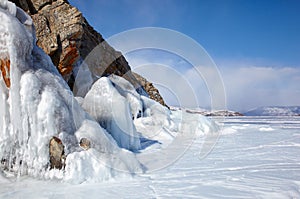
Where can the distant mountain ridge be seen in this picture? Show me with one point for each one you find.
(274, 111)
(206, 112)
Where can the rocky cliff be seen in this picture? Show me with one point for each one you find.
(66, 36)
(151, 90)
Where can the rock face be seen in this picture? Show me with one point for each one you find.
(58, 31)
(65, 35)
(151, 90)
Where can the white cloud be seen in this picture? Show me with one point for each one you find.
(175, 83)
(249, 86)
(179, 85)
(246, 85)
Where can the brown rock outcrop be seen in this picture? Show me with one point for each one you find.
(59, 30)
(150, 89)
(65, 35)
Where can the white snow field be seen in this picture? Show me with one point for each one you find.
(255, 157)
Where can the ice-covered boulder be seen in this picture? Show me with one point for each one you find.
(127, 90)
(112, 111)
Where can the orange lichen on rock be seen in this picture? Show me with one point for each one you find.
(5, 70)
(69, 57)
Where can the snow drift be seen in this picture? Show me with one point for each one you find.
(37, 105)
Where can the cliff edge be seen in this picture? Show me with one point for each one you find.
(66, 36)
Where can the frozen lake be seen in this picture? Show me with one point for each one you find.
(255, 157)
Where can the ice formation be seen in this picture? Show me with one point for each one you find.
(38, 105)
(113, 112)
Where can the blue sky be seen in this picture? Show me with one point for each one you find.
(244, 38)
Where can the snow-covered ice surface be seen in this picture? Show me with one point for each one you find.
(138, 148)
(247, 162)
